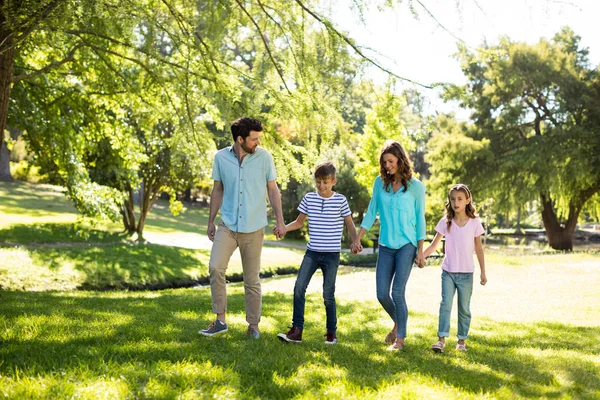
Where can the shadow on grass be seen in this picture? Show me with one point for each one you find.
(132, 267)
(136, 336)
(129, 266)
(63, 233)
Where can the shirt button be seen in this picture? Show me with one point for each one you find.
(240, 192)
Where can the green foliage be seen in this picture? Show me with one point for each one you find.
(390, 119)
(535, 129)
(139, 92)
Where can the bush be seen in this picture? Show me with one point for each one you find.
(23, 171)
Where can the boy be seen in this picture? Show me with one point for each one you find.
(327, 212)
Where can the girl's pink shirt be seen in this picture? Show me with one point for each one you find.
(460, 245)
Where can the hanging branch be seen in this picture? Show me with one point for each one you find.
(351, 43)
(264, 40)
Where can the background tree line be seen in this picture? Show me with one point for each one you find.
(133, 97)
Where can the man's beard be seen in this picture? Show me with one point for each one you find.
(248, 149)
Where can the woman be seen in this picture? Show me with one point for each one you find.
(399, 200)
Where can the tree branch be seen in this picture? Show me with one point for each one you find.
(69, 58)
(346, 39)
(34, 22)
(264, 40)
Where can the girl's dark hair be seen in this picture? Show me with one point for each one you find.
(404, 168)
(469, 209)
(243, 126)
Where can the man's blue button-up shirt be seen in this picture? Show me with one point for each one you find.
(244, 207)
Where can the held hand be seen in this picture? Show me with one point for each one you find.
(280, 230)
(356, 247)
(483, 279)
(420, 259)
(211, 231)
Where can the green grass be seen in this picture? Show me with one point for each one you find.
(145, 345)
(124, 266)
(535, 330)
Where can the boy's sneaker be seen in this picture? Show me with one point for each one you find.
(293, 336)
(214, 328)
(438, 346)
(331, 338)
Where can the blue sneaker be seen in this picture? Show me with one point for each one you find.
(214, 328)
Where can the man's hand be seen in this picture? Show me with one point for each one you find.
(279, 230)
(211, 231)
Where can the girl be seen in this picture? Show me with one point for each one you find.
(463, 231)
(399, 200)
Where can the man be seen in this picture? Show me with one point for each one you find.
(242, 173)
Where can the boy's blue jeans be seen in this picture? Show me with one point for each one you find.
(313, 260)
(393, 270)
(463, 284)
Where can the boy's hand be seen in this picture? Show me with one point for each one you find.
(356, 247)
(483, 279)
(279, 231)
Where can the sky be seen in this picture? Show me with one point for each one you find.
(421, 49)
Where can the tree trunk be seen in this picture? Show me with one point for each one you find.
(7, 54)
(519, 231)
(128, 212)
(559, 237)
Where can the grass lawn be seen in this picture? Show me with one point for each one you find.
(525, 342)
(43, 250)
(535, 330)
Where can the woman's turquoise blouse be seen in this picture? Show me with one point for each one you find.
(401, 214)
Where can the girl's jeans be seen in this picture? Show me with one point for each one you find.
(393, 270)
(463, 284)
(328, 262)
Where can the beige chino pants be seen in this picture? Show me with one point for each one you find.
(225, 243)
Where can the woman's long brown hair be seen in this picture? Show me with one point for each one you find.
(469, 209)
(404, 168)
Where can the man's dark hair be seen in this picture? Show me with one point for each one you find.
(243, 126)
(324, 170)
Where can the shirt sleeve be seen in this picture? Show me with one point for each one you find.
(303, 206)
(442, 227)
(420, 212)
(371, 215)
(216, 171)
(478, 228)
(345, 208)
(271, 172)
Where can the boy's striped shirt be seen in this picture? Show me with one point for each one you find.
(325, 220)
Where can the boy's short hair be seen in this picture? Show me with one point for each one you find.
(324, 170)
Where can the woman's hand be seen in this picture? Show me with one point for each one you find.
(420, 259)
(356, 247)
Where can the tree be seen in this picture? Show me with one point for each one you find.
(535, 132)
(114, 95)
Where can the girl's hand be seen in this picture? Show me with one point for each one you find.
(420, 260)
(483, 279)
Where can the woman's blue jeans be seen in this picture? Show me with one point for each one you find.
(313, 260)
(463, 284)
(393, 270)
